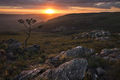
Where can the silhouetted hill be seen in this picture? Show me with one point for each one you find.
(84, 21)
(8, 22)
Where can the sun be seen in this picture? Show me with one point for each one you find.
(49, 11)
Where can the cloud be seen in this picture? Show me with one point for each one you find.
(61, 3)
(23, 3)
(90, 3)
(107, 4)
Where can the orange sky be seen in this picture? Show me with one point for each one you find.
(70, 10)
(59, 6)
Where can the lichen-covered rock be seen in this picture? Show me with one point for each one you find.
(72, 70)
(29, 74)
(111, 54)
(76, 52)
(96, 35)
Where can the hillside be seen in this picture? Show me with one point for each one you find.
(8, 22)
(84, 21)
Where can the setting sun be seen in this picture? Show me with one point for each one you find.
(49, 11)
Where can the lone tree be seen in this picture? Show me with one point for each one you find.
(28, 24)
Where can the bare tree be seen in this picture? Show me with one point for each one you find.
(28, 24)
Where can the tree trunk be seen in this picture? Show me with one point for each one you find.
(27, 38)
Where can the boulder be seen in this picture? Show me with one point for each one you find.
(118, 34)
(97, 35)
(77, 52)
(64, 56)
(72, 70)
(29, 74)
(13, 45)
(111, 54)
(33, 48)
(10, 41)
(100, 71)
(106, 52)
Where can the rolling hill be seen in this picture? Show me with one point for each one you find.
(83, 22)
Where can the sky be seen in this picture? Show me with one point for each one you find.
(60, 6)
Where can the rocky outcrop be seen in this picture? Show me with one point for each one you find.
(29, 74)
(110, 54)
(96, 35)
(12, 44)
(76, 52)
(70, 65)
(13, 48)
(72, 70)
(95, 74)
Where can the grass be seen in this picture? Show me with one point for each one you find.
(51, 44)
(85, 22)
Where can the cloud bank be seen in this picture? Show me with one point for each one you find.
(65, 3)
(110, 5)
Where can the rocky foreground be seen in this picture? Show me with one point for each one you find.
(72, 65)
(79, 63)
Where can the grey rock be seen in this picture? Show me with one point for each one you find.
(118, 34)
(78, 51)
(110, 54)
(10, 41)
(29, 74)
(102, 38)
(33, 48)
(100, 71)
(91, 74)
(97, 35)
(12, 45)
(105, 52)
(72, 70)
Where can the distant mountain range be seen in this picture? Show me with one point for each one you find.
(83, 22)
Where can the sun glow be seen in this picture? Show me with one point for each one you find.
(49, 11)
